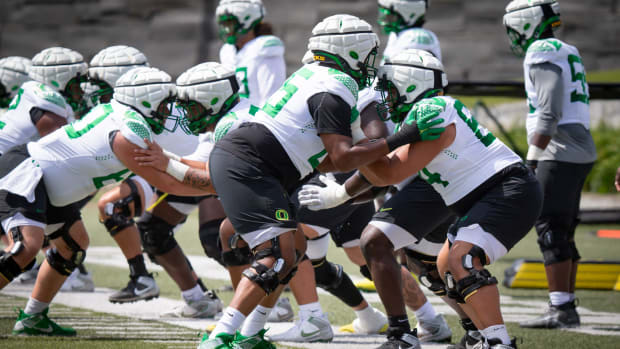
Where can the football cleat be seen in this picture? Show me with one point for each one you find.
(436, 330)
(256, 341)
(468, 341)
(39, 325)
(221, 341)
(138, 288)
(495, 343)
(557, 316)
(282, 311)
(377, 324)
(29, 276)
(311, 329)
(78, 282)
(403, 341)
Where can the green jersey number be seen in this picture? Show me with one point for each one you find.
(79, 128)
(487, 138)
(578, 75)
(16, 99)
(111, 178)
(242, 75)
(432, 178)
(276, 102)
(2, 124)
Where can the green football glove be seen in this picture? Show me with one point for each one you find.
(418, 126)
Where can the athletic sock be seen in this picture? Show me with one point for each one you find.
(559, 298)
(425, 312)
(310, 309)
(497, 331)
(365, 315)
(398, 325)
(571, 297)
(255, 321)
(193, 294)
(137, 266)
(229, 323)
(34, 306)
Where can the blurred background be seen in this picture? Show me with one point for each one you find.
(176, 34)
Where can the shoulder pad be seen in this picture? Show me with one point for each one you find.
(269, 46)
(541, 51)
(135, 129)
(348, 82)
(45, 98)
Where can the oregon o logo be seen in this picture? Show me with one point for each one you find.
(281, 215)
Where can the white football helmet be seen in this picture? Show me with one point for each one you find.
(408, 77)
(350, 43)
(397, 15)
(207, 92)
(527, 20)
(237, 17)
(150, 92)
(108, 65)
(13, 73)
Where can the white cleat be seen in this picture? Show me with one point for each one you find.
(312, 329)
(282, 311)
(201, 309)
(436, 330)
(29, 276)
(78, 282)
(377, 324)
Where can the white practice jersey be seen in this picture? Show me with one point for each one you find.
(77, 159)
(260, 67)
(287, 116)
(419, 38)
(575, 107)
(16, 127)
(473, 157)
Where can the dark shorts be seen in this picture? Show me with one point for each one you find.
(252, 199)
(505, 206)
(345, 222)
(418, 209)
(40, 210)
(188, 200)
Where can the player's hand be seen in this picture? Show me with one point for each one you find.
(617, 181)
(321, 198)
(153, 156)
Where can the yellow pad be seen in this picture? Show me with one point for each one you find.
(349, 328)
(210, 328)
(617, 286)
(590, 275)
(365, 285)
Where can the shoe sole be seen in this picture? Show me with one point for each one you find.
(433, 340)
(132, 300)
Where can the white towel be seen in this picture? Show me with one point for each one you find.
(23, 179)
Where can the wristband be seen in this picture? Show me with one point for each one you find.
(171, 155)
(177, 169)
(534, 153)
(407, 134)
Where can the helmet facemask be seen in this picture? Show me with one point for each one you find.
(390, 21)
(162, 118)
(366, 74)
(392, 106)
(103, 93)
(74, 94)
(5, 97)
(198, 118)
(230, 28)
(519, 41)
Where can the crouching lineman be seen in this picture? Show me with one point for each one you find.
(36, 200)
(473, 172)
(13, 73)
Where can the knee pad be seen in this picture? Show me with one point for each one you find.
(119, 214)
(57, 261)
(209, 234)
(265, 277)
(428, 268)
(366, 272)
(554, 244)
(237, 255)
(9, 269)
(476, 279)
(317, 247)
(328, 275)
(156, 234)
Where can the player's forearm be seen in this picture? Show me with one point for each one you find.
(199, 179)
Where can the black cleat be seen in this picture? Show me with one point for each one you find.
(468, 341)
(557, 316)
(138, 288)
(407, 340)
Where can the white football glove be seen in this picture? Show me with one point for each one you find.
(321, 198)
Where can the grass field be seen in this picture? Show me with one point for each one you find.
(590, 246)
